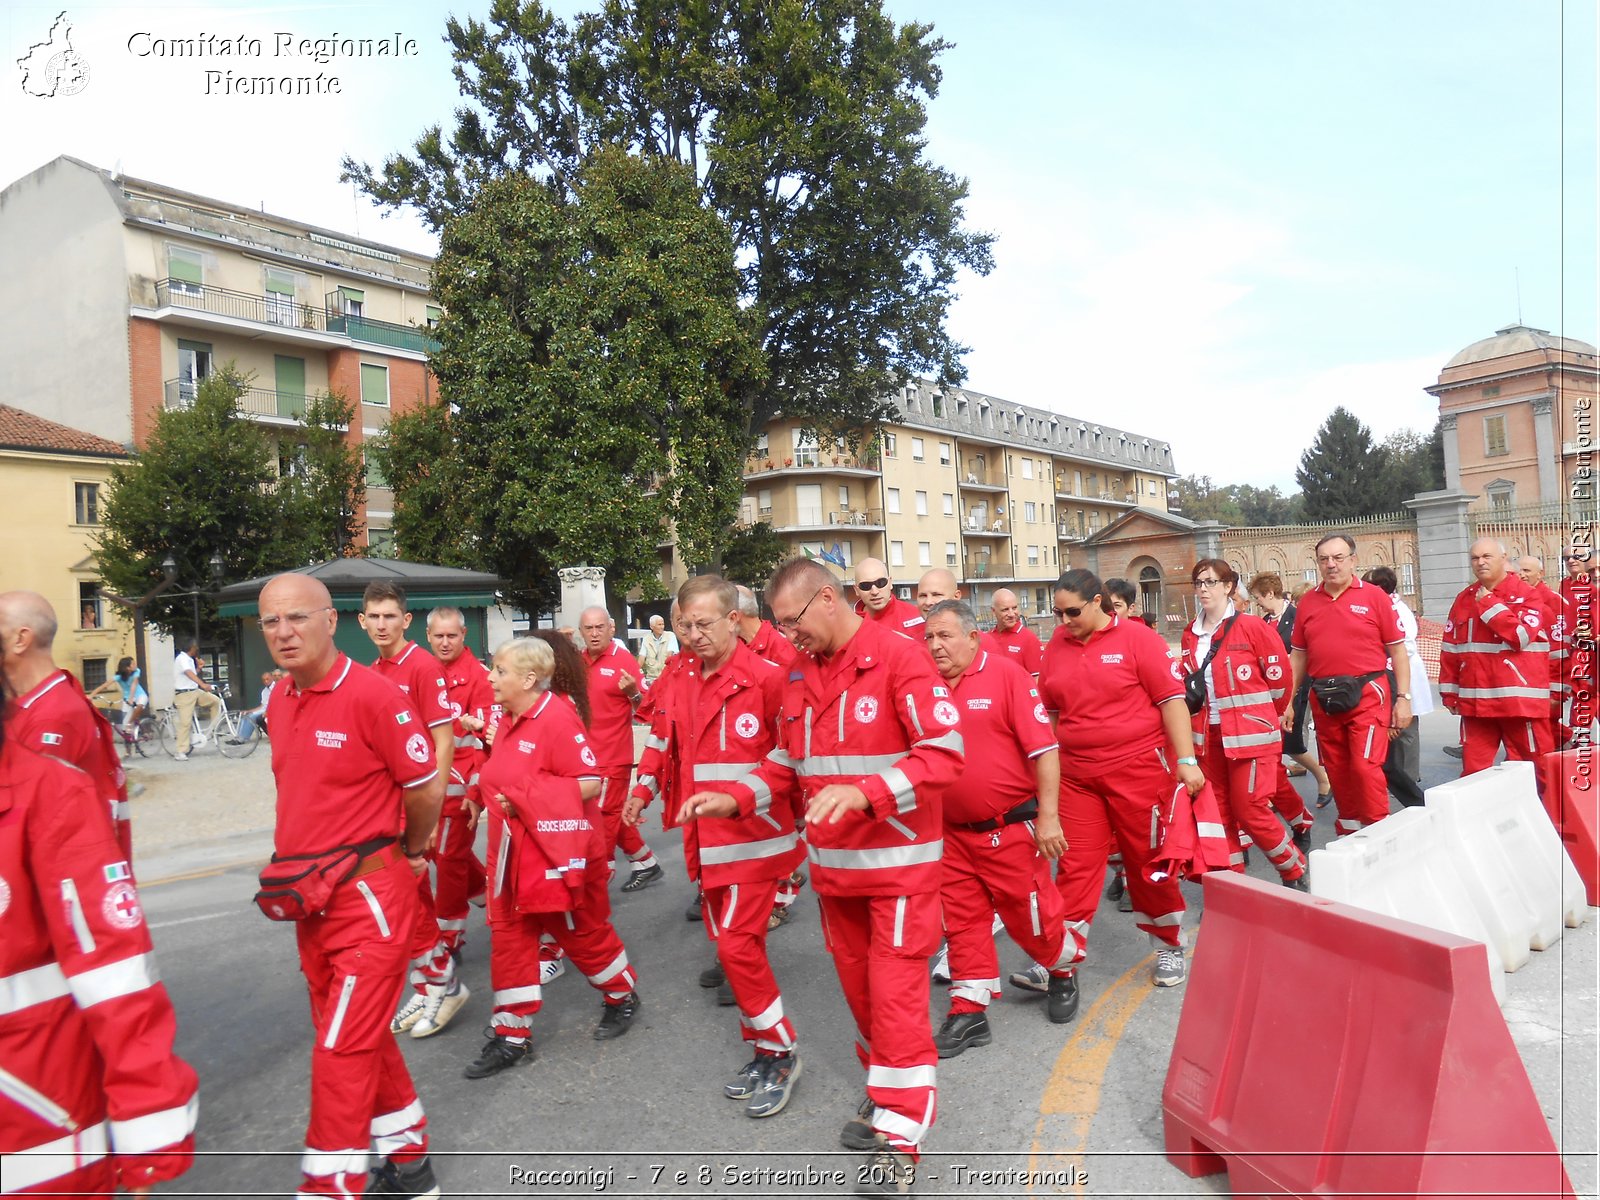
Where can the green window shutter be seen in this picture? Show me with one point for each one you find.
(196, 347)
(280, 283)
(374, 384)
(355, 294)
(183, 264)
(435, 313)
(375, 476)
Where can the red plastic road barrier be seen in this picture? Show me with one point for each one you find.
(1327, 1051)
(1570, 788)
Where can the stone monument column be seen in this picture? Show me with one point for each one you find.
(581, 587)
(1444, 540)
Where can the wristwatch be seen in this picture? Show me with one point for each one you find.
(1188, 761)
(1402, 695)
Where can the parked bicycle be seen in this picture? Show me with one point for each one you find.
(228, 731)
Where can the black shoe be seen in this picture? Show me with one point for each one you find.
(1246, 853)
(1061, 1002)
(1302, 839)
(498, 1054)
(1453, 751)
(1326, 798)
(1115, 888)
(776, 1085)
(858, 1133)
(713, 976)
(743, 1085)
(615, 1018)
(961, 1030)
(693, 912)
(725, 995)
(643, 878)
(414, 1180)
(1300, 883)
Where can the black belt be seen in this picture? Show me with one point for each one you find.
(1026, 811)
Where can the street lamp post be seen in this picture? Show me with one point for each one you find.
(169, 576)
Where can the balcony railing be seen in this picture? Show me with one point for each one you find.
(1070, 531)
(268, 309)
(989, 568)
(255, 402)
(816, 518)
(978, 526)
(375, 332)
(971, 479)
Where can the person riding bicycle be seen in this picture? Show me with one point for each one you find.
(135, 701)
(257, 715)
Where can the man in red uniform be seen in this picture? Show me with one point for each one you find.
(1000, 824)
(1346, 631)
(876, 601)
(458, 875)
(1530, 569)
(436, 993)
(614, 693)
(871, 733)
(92, 1096)
(1011, 633)
(354, 768)
(759, 635)
(721, 722)
(1494, 664)
(50, 713)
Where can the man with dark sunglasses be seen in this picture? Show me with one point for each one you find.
(876, 601)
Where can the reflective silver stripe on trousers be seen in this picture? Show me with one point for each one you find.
(746, 851)
(156, 1130)
(506, 997)
(397, 1130)
(902, 1077)
(377, 909)
(321, 1163)
(877, 859)
(615, 967)
(979, 991)
(37, 1165)
(337, 1023)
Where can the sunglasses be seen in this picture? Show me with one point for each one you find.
(872, 585)
(1065, 614)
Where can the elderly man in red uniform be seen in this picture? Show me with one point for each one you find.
(614, 693)
(458, 875)
(721, 721)
(436, 992)
(758, 634)
(1494, 664)
(1012, 635)
(1345, 636)
(876, 601)
(1001, 829)
(872, 734)
(355, 771)
(94, 1098)
(1530, 569)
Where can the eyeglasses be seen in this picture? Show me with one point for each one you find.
(794, 621)
(871, 585)
(705, 627)
(295, 620)
(1064, 614)
(1577, 558)
(1205, 585)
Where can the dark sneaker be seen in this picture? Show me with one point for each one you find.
(1034, 979)
(743, 1085)
(1116, 887)
(1125, 902)
(615, 1018)
(773, 1089)
(1302, 840)
(643, 878)
(693, 912)
(1452, 751)
(713, 976)
(1061, 1001)
(961, 1030)
(725, 997)
(413, 1180)
(858, 1133)
(1170, 969)
(498, 1054)
(888, 1172)
(1300, 883)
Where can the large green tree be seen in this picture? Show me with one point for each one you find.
(752, 554)
(320, 481)
(1413, 462)
(597, 364)
(803, 123)
(1343, 474)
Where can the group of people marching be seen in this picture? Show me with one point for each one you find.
(938, 782)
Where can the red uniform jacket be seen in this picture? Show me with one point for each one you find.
(86, 1028)
(1555, 625)
(57, 719)
(875, 716)
(1495, 657)
(466, 683)
(1250, 676)
(771, 645)
(709, 732)
(657, 774)
(1191, 839)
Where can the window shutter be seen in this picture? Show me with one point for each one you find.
(183, 265)
(355, 294)
(280, 283)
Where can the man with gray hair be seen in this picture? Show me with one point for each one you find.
(1494, 664)
(759, 634)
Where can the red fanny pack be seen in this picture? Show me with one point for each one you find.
(297, 886)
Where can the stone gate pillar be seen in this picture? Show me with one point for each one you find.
(1443, 540)
(581, 588)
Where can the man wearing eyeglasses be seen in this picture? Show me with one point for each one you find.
(876, 601)
(1530, 569)
(1345, 634)
(873, 738)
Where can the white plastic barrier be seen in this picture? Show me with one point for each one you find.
(1401, 868)
(1524, 885)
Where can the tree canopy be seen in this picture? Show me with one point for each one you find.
(595, 362)
(1343, 474)
(752, 554)
(1200, 499)
(802, 121)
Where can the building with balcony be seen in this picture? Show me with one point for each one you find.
(121, 294)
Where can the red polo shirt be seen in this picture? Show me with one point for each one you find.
(1349, 635)
(546, 739)
(1021, 646)
(343, 751)
(420, 676)
(899, 615)
(57, 719)
(1005, 724)
(610, 712)
(1105, 693)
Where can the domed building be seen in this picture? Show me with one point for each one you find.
(1518, 412)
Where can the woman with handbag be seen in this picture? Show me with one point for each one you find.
(541, 787)
(1236, 685)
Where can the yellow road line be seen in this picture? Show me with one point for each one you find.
(208, 873)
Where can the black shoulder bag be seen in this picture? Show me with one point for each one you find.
(1194, 682)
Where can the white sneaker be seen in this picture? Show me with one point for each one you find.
(552, 969)
(410, 1013)
(1034, 979)
(941, 964)
(180, 758)
(1171, 968)
(998, 924)
(440, 1006)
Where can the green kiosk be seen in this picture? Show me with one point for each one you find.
(427, 587)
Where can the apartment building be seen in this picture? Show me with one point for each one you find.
(1001, 493)
(120, 295)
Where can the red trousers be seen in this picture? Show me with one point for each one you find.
(458, 876)
(353, 956)
(1526, 739)
(736, 919)
(586, 934)
(613, 795)
(880, 947)
(430, 953)
(1244, 788)
(1353, 747)
(1288, 802)
(1117, 800)
(997, 872)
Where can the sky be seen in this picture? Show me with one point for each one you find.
(1215, 221)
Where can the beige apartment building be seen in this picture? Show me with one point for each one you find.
(120, 295)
